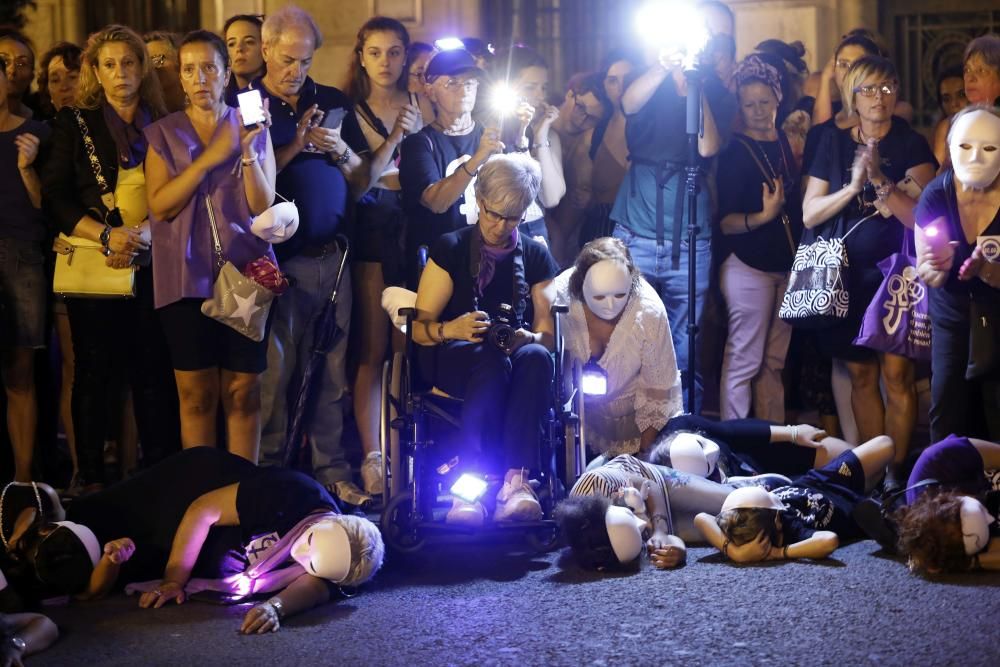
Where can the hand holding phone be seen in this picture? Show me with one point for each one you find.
(251, 108)
(333, 118)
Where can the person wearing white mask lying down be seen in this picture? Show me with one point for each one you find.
(617, 320)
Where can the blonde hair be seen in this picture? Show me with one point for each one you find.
(863, 68)
(90, 94)
(367, 548)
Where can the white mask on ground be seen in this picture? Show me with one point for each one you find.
(324, 551)
(625, 532)
(606, 289)
(975, 149)
(975, 525)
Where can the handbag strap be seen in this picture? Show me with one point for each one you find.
(785, 222)
(107, 195)
(220, 260)
(858, 224)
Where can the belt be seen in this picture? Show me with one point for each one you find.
(320, 251)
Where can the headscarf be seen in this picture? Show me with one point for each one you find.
(130, 141)
(489, 256)
(753, 68)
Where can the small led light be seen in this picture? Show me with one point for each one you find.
(593, 380)
(449, 44)
(504, 100)
(931, 231)
(469, 487)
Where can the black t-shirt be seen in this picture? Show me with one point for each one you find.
(20, 220)
(273, 501)
(739, 178)
(451, 253)
(901, 149)
(426, 158)
(657, 131)
(149, 507)
(806, 511)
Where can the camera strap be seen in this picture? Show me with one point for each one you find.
(519, 290)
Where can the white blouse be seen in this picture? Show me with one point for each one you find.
(644, 384)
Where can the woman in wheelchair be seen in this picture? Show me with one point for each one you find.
(617, 321)
(481, 288)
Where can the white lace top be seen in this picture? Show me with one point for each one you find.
(644, 385)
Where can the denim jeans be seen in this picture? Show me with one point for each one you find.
(289, 349)
(655, 263)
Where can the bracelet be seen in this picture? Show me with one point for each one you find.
(883, 191)
(248, 161)
(795, 433)
(279, 609)
(784, 552)
(725, 548)
(546, 144)
(746, 221)
(441, 338)
(342, 159)
(466, 170)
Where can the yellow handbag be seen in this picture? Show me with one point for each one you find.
(81, 271)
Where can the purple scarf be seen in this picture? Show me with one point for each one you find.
(129, 140)
(266, 576)
(488, 258)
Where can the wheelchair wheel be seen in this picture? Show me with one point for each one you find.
(543, 540)
(397, 525)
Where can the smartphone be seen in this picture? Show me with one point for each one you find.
(251, 107)
(333, 118)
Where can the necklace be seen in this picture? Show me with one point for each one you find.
(774, 175)
(863, 140)
(3, 497)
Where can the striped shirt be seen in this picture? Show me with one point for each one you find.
(616, 474)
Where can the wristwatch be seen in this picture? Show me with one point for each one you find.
(18, 643)
(106, 235)
(279, 609)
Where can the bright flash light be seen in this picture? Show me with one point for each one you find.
(469, 487)
(674, 25)
(504, 100)
(593, 380)
(449, 44)
(931, 231)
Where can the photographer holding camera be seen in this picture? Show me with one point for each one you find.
(481, 288)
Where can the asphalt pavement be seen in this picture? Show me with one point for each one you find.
(489, 605)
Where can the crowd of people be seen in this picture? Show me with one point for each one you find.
(423, 176)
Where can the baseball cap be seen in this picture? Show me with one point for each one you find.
(451, 63)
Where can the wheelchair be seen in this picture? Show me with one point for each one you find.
(416, 419)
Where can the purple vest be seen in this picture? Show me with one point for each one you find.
(184, 264)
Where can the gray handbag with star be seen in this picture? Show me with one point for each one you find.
(237, 301)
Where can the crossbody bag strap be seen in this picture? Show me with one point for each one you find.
(219, 259)
(107, 194)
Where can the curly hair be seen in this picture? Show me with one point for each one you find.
(596, 251)
(581, 519)
(930, 533)
(744, 524)
(72, 56)
(90, 95)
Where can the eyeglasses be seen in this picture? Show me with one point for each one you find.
(843, 63)
(470, 85)
(210, 70)
(873, 89)
(978, 72)
(495, 217)
(158, 61)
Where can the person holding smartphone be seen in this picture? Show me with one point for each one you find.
(957, 224)
(206, 160)
(321, 167)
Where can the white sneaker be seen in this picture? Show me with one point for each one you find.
(517, 501)
(463, 513)
(371, 473)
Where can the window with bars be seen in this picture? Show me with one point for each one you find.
(143, 15)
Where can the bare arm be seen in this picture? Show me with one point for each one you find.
(818, 205)
(548, 151)
(900, 203)
(37, 631)
(819, 545)
(213, 508)
(259, 177)
(709, 141)
(823, 106)
(440, 196)
(302, 594)
(641, 90)
(168, 196)
(433, 294)
(27, 150)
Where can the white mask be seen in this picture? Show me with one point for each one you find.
(694, 455)
(975, 149)
(625, 533)
(324, 551)
(606, 289)
(975, 525)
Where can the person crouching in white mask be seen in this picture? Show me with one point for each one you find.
(617, 322)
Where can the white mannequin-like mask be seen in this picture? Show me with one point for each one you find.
(975, 525)
(606, 289)
(975, 149)
(324, 550)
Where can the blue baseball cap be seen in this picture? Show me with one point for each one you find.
(452, 63)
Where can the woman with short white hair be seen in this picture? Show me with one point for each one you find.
(485, 330)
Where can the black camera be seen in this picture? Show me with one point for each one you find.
(503, 326)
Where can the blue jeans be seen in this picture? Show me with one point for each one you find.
(289, 348)
(655, 263)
